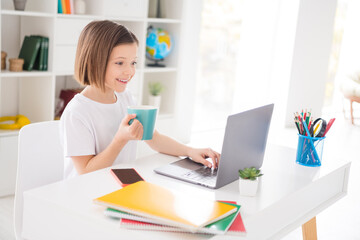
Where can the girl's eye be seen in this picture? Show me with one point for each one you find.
(119, 63)
(134, 63)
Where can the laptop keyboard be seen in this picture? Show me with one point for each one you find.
(203, 174)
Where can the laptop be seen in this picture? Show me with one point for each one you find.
(243, 146)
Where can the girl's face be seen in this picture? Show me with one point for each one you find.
(120, 67)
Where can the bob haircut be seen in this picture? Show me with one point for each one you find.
(95, 44)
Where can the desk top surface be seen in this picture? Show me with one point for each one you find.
(282, 178)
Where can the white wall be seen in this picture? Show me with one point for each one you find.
(349, 59)
(310, 59)
(284, 53)
(189, 58)
(266, 46)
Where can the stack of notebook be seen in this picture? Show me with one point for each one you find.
(147, 206)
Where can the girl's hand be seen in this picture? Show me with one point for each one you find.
(200, 154)
(127, 132)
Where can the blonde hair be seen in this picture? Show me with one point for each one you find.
(95, 44)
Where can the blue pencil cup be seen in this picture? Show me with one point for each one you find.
(309, 151)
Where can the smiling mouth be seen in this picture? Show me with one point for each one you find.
(122, 80)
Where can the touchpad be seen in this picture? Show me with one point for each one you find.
(188, 164)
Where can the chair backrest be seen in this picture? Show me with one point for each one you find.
(40, 162)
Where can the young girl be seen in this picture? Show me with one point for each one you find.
(95, 128)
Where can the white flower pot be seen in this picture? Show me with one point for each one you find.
(248, 187)
(155, 101)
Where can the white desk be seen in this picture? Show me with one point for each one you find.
(289, 196)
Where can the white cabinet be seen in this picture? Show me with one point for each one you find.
(34, 93)
(8, 163)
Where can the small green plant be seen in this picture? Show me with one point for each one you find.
(155, 88)
(250, 173)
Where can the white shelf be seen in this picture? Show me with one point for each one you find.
(163, 116)
(124, 19)
(159, 69)
(99, 17)
(78, 16)
(26, 13)
(64, 73)
(163, 20)
(6, 133)
(7, 73)
(35, 93)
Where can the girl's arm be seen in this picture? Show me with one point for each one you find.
(126, 132)
(167, 145)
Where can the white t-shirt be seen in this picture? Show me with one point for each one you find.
(87, 127)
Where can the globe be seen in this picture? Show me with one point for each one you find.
(159, 44)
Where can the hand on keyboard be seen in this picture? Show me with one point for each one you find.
(200, 155)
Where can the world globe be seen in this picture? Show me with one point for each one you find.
(159, 44)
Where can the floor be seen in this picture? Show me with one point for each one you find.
(340, 221)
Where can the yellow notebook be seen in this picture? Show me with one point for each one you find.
(168, 207)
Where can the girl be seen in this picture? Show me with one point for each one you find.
(95, 128)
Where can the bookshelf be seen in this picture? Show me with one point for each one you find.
(35, 93)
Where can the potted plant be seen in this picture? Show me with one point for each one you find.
(155, 89)
(248, 181)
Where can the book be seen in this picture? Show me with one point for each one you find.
(46, 55)
(29, 51)
(63, 6)
(166, 206)
(59, 7)
(72, 10)
(237, 227)
(39, 63)
(67, 5)
(109, 212)
(136, 222)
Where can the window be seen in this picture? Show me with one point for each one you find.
(219, 41)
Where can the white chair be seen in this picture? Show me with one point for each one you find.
(40, 162)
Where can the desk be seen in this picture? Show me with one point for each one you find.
(289, 195)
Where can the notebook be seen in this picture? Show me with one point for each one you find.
(234, 226)
(166, 206)
(137, 222)
(243, 146)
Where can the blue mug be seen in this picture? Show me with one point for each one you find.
(147, 117)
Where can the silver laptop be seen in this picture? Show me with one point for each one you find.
(243, 146)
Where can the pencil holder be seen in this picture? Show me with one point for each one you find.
(309, 151)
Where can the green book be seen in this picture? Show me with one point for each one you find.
(29, 51)
(137, 222)
(39, 61)
(46, 53)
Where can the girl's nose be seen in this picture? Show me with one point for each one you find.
(128, 70)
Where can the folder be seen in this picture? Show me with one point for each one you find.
(166, 206)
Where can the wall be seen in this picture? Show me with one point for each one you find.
(284, 53)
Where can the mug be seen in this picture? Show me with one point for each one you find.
(147, 117)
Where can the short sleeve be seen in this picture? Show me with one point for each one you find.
(78, 139)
